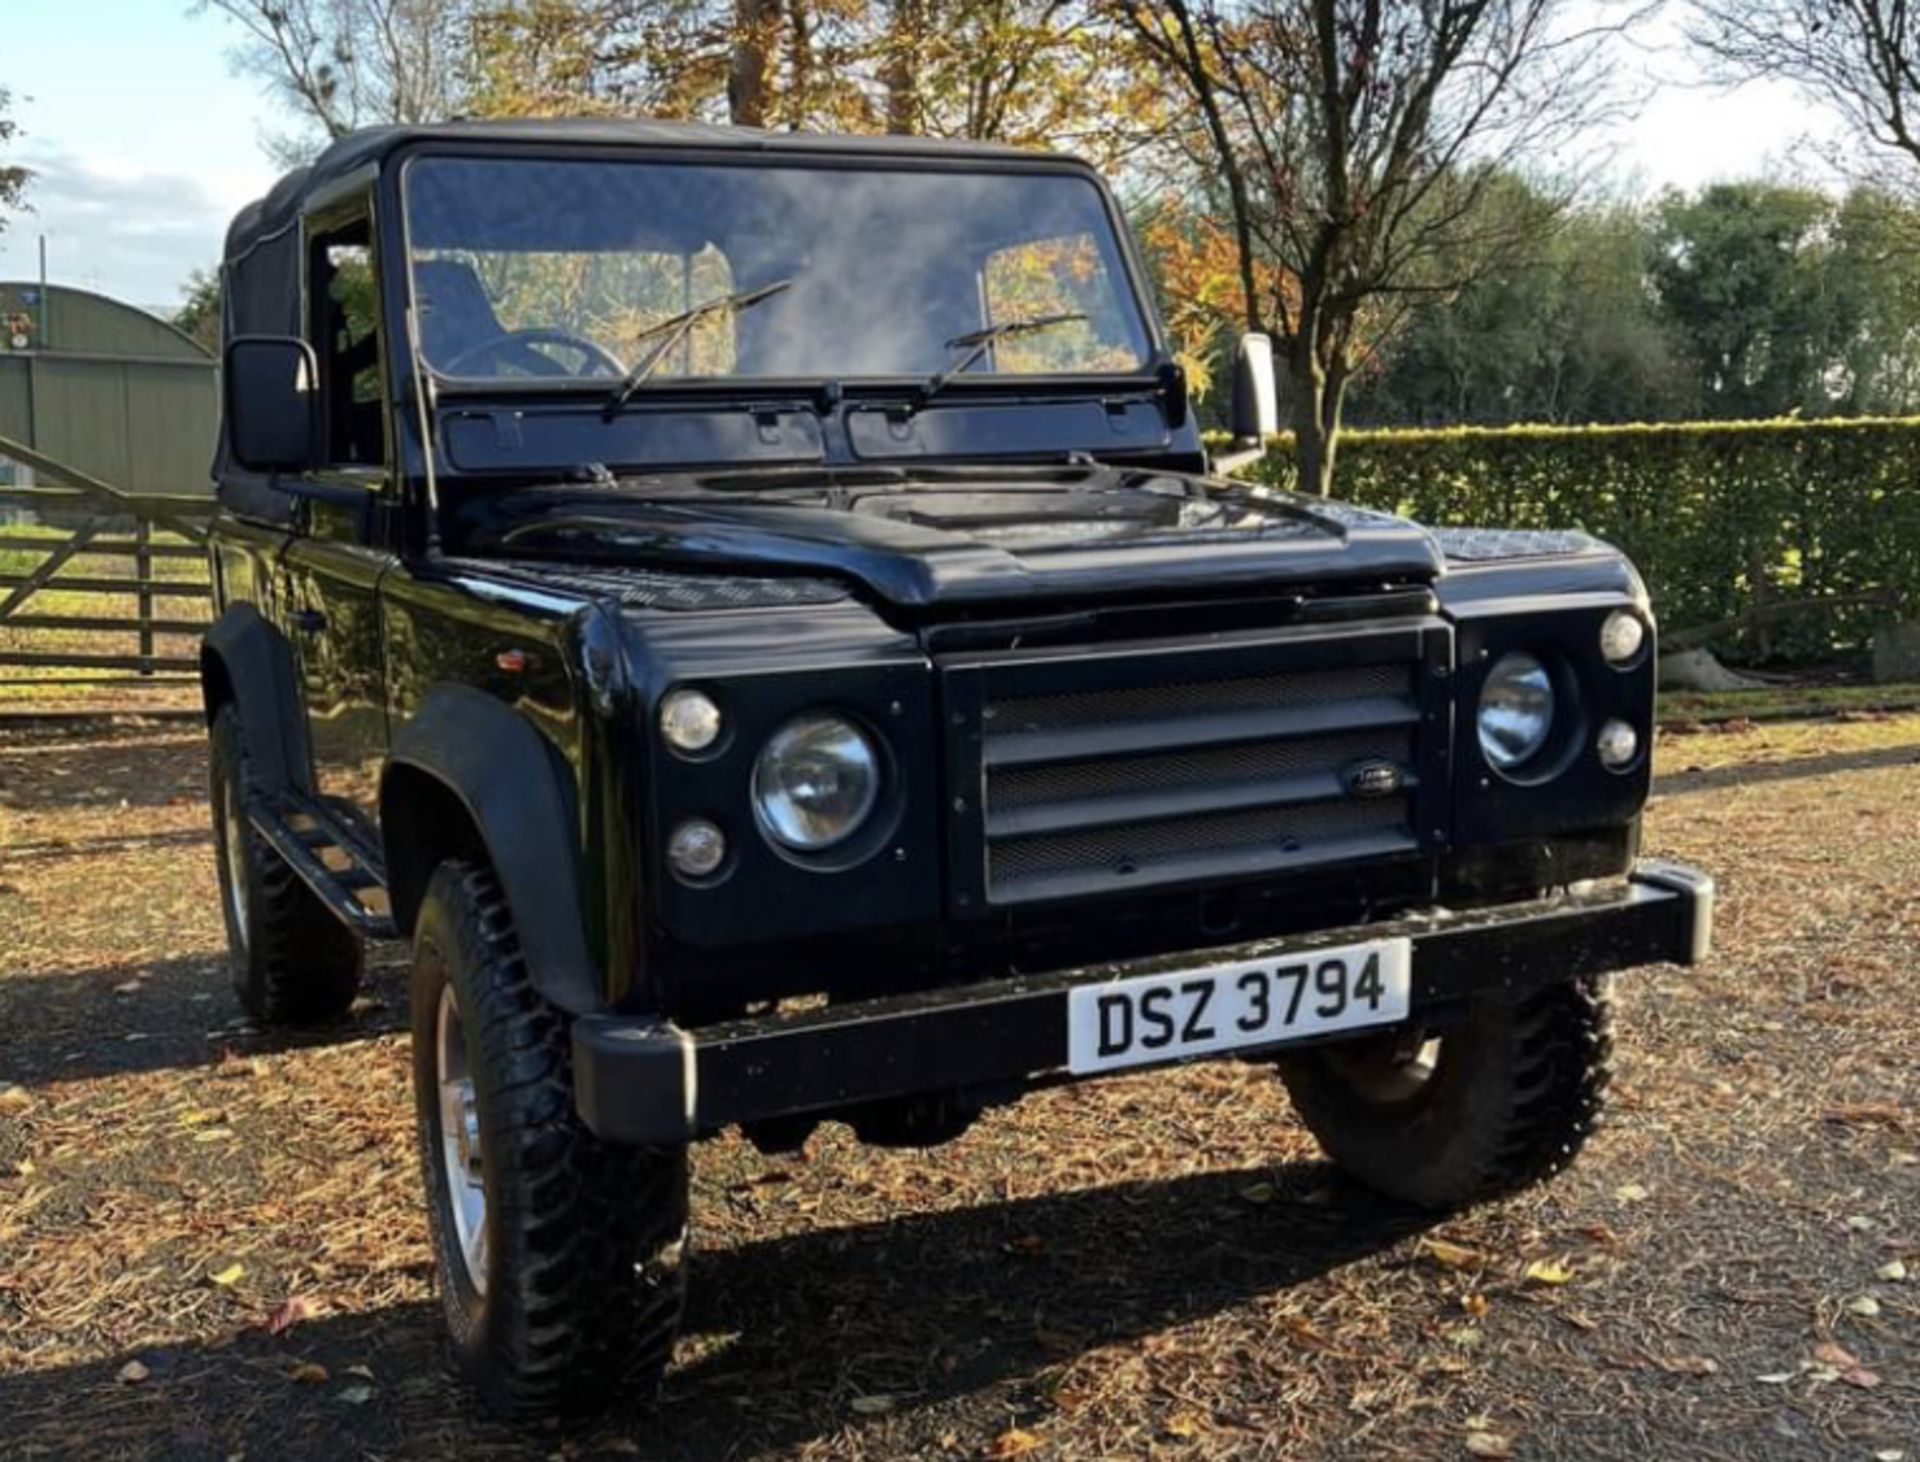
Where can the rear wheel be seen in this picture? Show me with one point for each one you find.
(1445, 1118)
(559, 1256)
(293, 961)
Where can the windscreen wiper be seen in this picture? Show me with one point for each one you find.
(670, 332)
(976, 343)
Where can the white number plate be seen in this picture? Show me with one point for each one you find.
(1224, 1007)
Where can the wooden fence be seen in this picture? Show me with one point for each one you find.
(98, 585)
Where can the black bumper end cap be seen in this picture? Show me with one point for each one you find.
(636, 1078)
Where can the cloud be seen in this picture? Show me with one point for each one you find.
(125, 231)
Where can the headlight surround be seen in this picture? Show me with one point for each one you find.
(1517, 707)
(816, 782)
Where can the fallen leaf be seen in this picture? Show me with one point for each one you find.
(290, 1312)
(132, 1373)
(130, 987)
(1691, 1365)
(1467, 1337)
(1866, 1307)
(15, 1097)
(213, 1134)
(872, 1405)
(357, 1395)
(1488, 1444)
(1827, 1353)
(1893, 1270)
(1258, 1193)
(1880, 1114)
(1015, 1443)
(24, 1168)
(228, 1276)
(201, 1116)
(1890, 1454)
(1859, 1222)
(361, 1371)
(1548, 1271)
(1450, 1255)
(308, 1372)
(1183, 1425)
(1474, 1304)
(1776, 1378)
(1632, 1193)
(1861, 1377)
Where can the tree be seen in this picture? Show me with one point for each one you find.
(1744, 273)
(1860, 57)
(1571, 337)
(199, 312)
(1355, 141)
(342, 64)
(13, 178)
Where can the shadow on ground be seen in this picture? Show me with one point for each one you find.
(782, 1334)
(162, 1014)
(1755, 773)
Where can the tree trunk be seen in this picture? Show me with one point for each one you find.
(747, 76)
(1318, 397)
(904, 38)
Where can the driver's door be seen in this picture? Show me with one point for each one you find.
(335, 562)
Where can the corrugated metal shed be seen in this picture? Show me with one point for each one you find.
(106, 388)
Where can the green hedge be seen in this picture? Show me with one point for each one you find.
(1716, 514)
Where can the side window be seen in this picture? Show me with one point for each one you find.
(346, 337)
(1056, 276)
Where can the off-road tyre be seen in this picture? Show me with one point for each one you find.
(1515, 1091)
(293, 962)
(583, 1273)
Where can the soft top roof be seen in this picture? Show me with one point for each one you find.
(288, 198)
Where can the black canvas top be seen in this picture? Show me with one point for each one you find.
(284, 203)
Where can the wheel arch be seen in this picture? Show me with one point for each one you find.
(246, 663)
(467, 777)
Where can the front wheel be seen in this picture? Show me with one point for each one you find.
(1442, 1119)
(559, 1256)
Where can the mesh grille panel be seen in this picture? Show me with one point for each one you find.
(1137, 806)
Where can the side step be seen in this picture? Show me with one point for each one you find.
(303, 834)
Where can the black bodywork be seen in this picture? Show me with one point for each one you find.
(460, 649)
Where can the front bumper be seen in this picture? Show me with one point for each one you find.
(656, 1083)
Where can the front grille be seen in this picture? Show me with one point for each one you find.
(1177, 766)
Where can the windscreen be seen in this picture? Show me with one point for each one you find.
(537, 267)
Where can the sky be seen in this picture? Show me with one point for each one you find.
(145, 142)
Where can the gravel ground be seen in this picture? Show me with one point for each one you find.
(211, 1243)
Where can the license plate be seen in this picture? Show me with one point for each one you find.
(1260, 1002)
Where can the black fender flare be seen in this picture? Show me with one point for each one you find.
(245, 660)
(518, 798)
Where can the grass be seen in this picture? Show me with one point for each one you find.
(49, 687)
(1787, 702)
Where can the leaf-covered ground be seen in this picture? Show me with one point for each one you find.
(211, 1243)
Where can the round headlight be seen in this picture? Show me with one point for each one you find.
(689, 720)
(816, 782)
(1516, 711)
(1622, 636)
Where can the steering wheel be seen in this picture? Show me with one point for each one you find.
(518, 346)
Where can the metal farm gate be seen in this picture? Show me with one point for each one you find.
(107, 421)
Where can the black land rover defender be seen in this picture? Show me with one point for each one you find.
(750, 609)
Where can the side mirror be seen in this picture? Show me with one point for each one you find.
(1256, 399)
(271, 386)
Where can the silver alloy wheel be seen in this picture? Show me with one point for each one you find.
(460, 1167)
(233, 834)
(1389, 1070)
